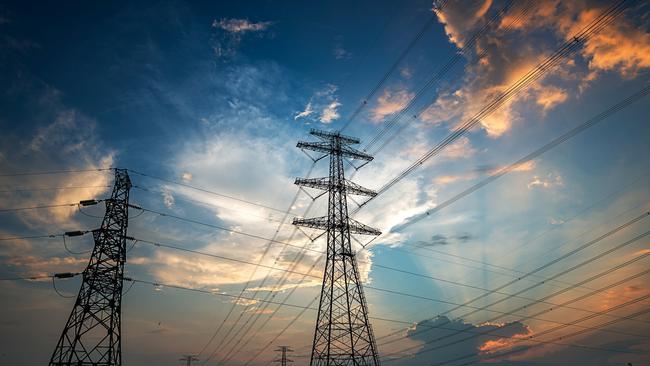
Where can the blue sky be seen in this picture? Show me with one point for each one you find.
(216, 95)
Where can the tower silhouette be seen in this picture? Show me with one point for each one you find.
(92, 334)
(283, 360)
(343, 335)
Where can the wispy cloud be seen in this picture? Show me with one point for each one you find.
(231, 32)
(240, 25)
(322, 107)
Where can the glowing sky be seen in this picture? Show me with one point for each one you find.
(217, 94)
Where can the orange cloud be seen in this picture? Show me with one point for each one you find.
(391, 102)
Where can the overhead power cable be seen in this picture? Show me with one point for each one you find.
(204, 190)
(551, 330)
(39, 189)
(247, 284)
(55, 172)
(432, 20)
(211, 292)
(548, 264)
(464, 316)
(552, 144)
(436, 78)
(534, 74)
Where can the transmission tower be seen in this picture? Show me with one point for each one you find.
(343, 335)
(188, 359)
(283, 360)
(92, 335)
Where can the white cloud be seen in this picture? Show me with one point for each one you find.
(305, 113)
(341, 53)
(330, 112)
(551, 180)
(322, 107)
(240, 25)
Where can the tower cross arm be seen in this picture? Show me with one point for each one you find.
(314, 223)
(324, 184)
(355, 227)
(319, 183)
(358, 228)
(327, 135)
(328, 148)
(356, 189)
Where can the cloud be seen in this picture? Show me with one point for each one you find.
(391, 102)
(515, 45)
(551, 96)
(551, 180)
(240, 25)
(168, 198)
(463, 339)
(226, 42)
(341, 53)
(330, 112)
(322, 107)
(439, 239)
(305, 113)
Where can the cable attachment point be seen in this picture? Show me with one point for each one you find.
(88, 202)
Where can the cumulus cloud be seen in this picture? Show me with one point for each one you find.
(391, 102)
(464, 339)
(507, 53)
(330, 112)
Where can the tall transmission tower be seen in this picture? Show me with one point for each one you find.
(92, 335)
(283, 360)
(343, 335)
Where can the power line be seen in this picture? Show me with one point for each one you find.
(198, 252)
(55, 172)
(204, 190)
(438, 75)
(38, 189)
(547, 331)
(268, 246)
(552, 144)
(534, 74)
(548, 264)
(390, 71)
(302, 307)
(206, 204)
(530, 287)
(38, 207)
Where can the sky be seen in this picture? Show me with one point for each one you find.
(496, 248)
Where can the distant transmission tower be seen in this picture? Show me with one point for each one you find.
(188, 359)
(92, 335)
(283, 360)
(343, 333)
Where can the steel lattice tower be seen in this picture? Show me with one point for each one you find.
(343, 335)
(283, 360)
(92, 335)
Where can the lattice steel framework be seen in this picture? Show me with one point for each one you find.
(92, 335)
(283, 360)
(343, 335)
